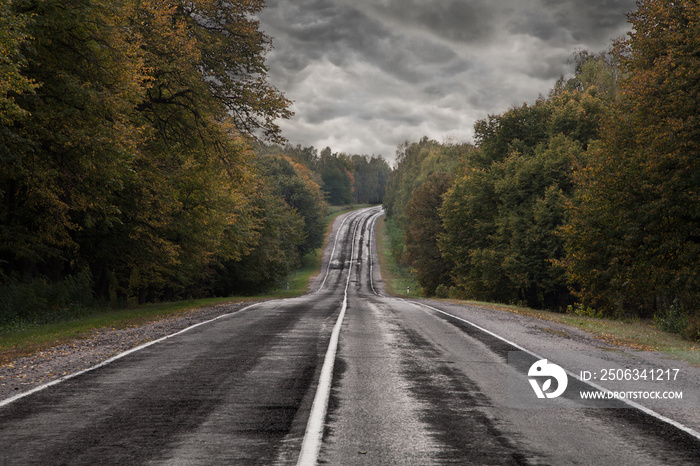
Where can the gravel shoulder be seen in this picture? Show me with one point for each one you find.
(577, 350)
(25, 373)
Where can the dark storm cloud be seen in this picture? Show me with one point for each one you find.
(367, 75)
(456, 20)
(594, 22)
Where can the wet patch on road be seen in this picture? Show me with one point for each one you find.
(457, 410)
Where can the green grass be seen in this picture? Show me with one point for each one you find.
(29, 339)
(639, 335)
(397, 279)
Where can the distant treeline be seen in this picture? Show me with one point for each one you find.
(588, 199)
(344, 178)
(129, 167)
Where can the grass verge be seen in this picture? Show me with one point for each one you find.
(27, 341)
(31, 339)
(397, 279)
(639, 335)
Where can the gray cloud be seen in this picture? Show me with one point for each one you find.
(365, 76)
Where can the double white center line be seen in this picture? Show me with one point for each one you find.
(311, 445)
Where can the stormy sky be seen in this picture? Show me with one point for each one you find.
(367, 75)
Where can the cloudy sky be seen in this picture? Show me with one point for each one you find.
(366, 75)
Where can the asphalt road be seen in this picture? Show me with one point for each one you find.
(343, 375)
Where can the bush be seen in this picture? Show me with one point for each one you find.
(442, 291)
(692, 331)
(40, 301)
(672, 318)
(581, 310)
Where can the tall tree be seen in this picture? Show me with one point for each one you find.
(370, 175)
(280, 234)
(69, 155)
(291, 182)
(131, 158)
(13, 36)
(634, 238)
(504, 210)
(415, 162)
(423, 228)
(337, 176)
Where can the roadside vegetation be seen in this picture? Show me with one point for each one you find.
(398, 279)
(26, 337)
(140, 161)
(584, 202)
(634, 333)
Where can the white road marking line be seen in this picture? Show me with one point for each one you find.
(14, 398)
(330, 259)
(313, 437)
(373, 241)
(632, 404)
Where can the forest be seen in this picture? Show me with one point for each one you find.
(586, 201)
(140, 160)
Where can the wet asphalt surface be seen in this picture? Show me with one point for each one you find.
(409, 387)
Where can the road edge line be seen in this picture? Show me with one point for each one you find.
(631, 404)
(116, 357)
(374, 242)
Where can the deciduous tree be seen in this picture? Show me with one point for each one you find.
(634, 238)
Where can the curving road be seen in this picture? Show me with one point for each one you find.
(343, 375)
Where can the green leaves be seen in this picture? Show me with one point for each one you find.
(124, 142)
(504, 210)
(633, 240)
(592, 191)
(13, 35)
(413, 198)
(423, 228)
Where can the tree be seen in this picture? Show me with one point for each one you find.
(232, 62)
(13, 36)
(335, 170)
(502, 214)
(370, 175)
(280, 233)
(67, 157)
(125, 134)
(423, 228)
(293, 183)
(415, 162)
(634, 238)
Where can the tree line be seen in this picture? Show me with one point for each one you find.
(586, 199)
(344, 178)
(133, 157)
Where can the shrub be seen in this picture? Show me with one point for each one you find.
(442, 291)
(41, 301)
(581, 310)
(672, 318)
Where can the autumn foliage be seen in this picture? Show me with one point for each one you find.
(634, 234)
(125, 147)
(588, 198)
